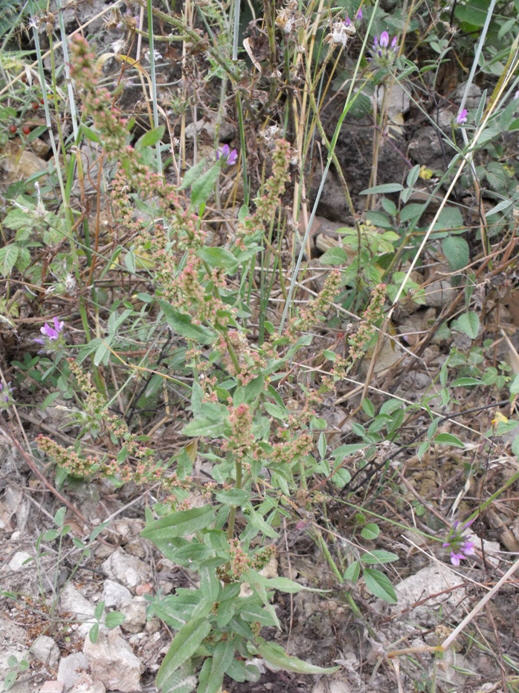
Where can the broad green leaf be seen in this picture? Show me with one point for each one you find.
(370, 531)
(202, 188)
(456, 250)
(212, 673)
(8, 257)
(183, 325)
(514, 386)
(179, 523)
(150, 138)
(448, 439)
(384, 188)
(411, 211)
(450, 218)
(182, 680)
(17, 218)
(379, 585)
(218, 257)
(468, 323)
(276, 655)
(184, 645)
(93, 633)
(276, 411)
(114, 619)
(334, 256)
(379, 556)
(352, 572)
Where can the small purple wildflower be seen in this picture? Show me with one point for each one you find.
(457, 542)
(5, 395)
(52, 334)
(228, 155)
(384, 49)
(359, 14)
(462, 116)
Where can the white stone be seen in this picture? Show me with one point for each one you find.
(112, 661)
(73, 602)
(135, 615)
(45, 651)
(18, 561)
(431, 586)
(88, 685)
(52, 687)
(126, 569)
(71, 668)
(115, 595)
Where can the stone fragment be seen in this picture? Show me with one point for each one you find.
(45, 651)
(113, 662)
(135, 615)
(88, 685)
(18, 561)
(52, 687)
(73, 602)
(71, 668)
(128, 570)
(115, 595)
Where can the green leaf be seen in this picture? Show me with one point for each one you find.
(98, 611)
(450, 218)
(379, 556)
(150, 138)
(211, 676)
(411, 211)
(456, 250)
(370, 531)
(182, 324)
(90, 133)
(184, 646)
(334, 256)
(449, 439)
(467, 381)
(8, 257)
(382, 189)
(352, 572)
(276, 655)
(218, 257)
(379, 585)
(179, 523)
(468, 323)
(202, 188)
(93, 633)
(114, 619)
(412, 176)
(514, 385)
(276, 411)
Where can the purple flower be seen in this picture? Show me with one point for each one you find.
(462, 116)
(5, 395)
(460, 547)
(383, 47)
(228, 155)
(51, 333)
(359, 14)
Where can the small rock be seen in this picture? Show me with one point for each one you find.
(19, 560)
(135, 615)
(112, 661)
(71, 669)
(126, 569)
(45, 651)
(88, 685)
(438, 580)
(52, 687)
(115, 595)
(72, 601)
